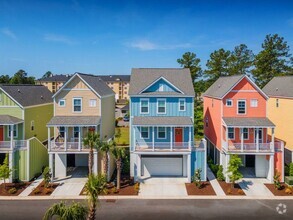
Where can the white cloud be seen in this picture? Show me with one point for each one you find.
(58, 38)
(148, 45)
(8, 33)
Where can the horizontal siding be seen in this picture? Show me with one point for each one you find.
(172, 107)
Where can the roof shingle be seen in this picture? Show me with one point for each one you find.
(281, 86)
(157, 121)
(74, 120)
(248, 122)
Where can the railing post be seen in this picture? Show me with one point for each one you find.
(153, 137)
(49, 139)
(273, 139)
(171, 138)
(257, 140)
(189, 141)
(65, 138)
(79, 138)
(11, 137)
(241, 129)
(134, 140)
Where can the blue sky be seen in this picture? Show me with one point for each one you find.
(111, 37)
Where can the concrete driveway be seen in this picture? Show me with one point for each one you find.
(255, 187)
(163, 187)
(73, 184)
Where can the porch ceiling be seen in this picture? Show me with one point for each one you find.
(162, 121)
(248, 122)
(9, 120)
(74, 121)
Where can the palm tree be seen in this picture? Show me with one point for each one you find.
(91, 141)
(74, 211)
(95, 185)
(106, 147)
(119, 154)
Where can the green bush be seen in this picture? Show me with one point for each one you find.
(277, 182)
(12, 190)
(220, 175)
(289, 180)
(286, 170)
(291, 169)
(197, 178)
(47, 176)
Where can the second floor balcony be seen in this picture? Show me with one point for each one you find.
(6, 146)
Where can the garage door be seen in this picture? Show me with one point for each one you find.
(162, 166)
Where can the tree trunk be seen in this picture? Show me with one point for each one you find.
(92, 212)
(4, 183)
(106, 164)
(118, 163)
(91, 158)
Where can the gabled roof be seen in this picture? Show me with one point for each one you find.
(115, 78)
(281, 86)
(225, 84)
(142, 78)
(55, 78)
(28, 95)
(94, 82)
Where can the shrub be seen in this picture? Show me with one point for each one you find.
(229, 191)
(136, 187)
(291, 169)
(240, 192)
(197, 178)
(233, 169)
(47, 176)
(286, 170)
(289, 180)
(12, 190)
(116, 123)
(114, 190)
(37, 191)
(220, 175)
(289, 190)
(277, 182)
(48, 191)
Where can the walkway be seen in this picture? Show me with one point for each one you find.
(163, 187)
(214, 182)
(255, 187)
(31, 187)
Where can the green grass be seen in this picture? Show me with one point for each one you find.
(124, 139)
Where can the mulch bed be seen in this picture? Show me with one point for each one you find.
(206, 190)
(277, 192)
(229, 191)
(128, 188)
(41, 190)
(18, 186)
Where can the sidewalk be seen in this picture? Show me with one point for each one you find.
(214, 182)
(31, 187)
(255, 187)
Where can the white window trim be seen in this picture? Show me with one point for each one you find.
(59, 130)
(241, 100)
(148, 133)
(61, 105)
(74, 131)
(233, 134)
(160, 113)
(243, 134)
(231, 103)
(184, 104)
(165, 130)
(256, 103)
(16, 133)
(76, 98)
(95, 100)
(148, 100)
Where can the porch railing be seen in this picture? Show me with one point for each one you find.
(68, 146)
(248, 147)
(163, 146)
(16, 144)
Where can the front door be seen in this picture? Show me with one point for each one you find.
(70, 160)
(259, 135)
(250, 160)
(1, 133)
(178, 135)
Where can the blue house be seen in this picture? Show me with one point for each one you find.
(161, 124)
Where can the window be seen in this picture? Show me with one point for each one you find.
(161, 132)
(181, 104)
(144, 132)
(93, 102)
(253, 103)
(161, 106)
(277, 103)
(229, 102)
(144, 106)
(14, 130)
(62, 103)
(32, 125)
(245, 133)
(76, 104)
(161, 87)
(75, 132)
(62, 131)
(241, 107)
(231, 133)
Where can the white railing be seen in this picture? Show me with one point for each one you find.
(163, 146)
(248, 147)
(16, 144)
(68, 146)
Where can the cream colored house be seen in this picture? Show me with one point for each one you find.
(119, 84)
(84, 103)
(280, 111)
(53, 82)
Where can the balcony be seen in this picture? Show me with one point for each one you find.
(67, 147)
(12, 145)
(248, 147)
(163, 146)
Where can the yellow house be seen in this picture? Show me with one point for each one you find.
(280, 111)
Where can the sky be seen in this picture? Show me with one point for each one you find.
(111, 37)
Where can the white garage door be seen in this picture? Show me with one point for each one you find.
(162, 166)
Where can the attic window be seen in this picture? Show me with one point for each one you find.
(32, 125)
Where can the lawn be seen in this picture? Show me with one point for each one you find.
(124, 139)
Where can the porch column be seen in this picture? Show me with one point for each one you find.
(241, 130)
(273, 139)
(153, 137)
(134, 140)
(257, 139)
(171, 138)
(189, 168)
(79, 138)
(272, 169)
(227, 142)
(95, 164)
(65, 138)
(11, 163)
(51, 165)
(49, 139)
(11, 137)
(189, 141)
(227, 163)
